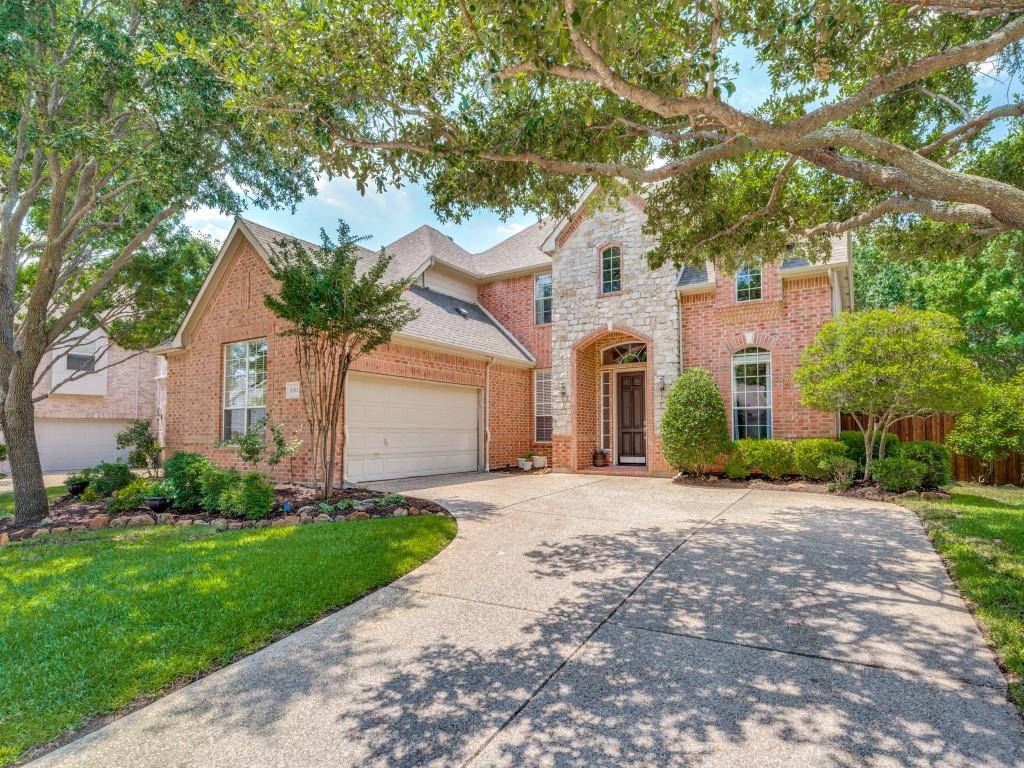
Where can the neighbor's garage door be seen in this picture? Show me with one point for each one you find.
(72, 444)
(406, 428)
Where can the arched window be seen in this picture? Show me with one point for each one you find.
(624, 354)
(752, 393)
(611, 269)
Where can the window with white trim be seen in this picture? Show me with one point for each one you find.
(245, 385)
(606, 411)
(82, 357)
(752, 393)
(748, 284)
(542, 299)
(611, 269)
(543, 413)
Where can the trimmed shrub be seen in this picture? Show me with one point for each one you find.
(772, 458)
(936, 459)
(694, 430)
(841, 471)
(133, 495)
(183, 478)
(810, 457)
(215, 481)
(896, 474)
(735, 466)
(252, 497)
(110, 476)
(854, 442)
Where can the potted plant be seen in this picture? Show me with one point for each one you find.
(77, 482)
(599, 458)
(539, 461)
(158, 501)
(525, 462)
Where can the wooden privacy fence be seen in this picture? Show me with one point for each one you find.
(935, 428)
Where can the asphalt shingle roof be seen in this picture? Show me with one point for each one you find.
(521, 251)
(692, 276)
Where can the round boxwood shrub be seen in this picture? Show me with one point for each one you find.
(772, 458)
(109, 477)
(735, 465)
(896, 473)
(251, 497)
(854, 442)
(183, 477)
(215, 482)
(811, 456)
(694, 430)
(936, 459)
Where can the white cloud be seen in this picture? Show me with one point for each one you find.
(209, 222)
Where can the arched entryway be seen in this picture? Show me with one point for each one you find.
(612, 403)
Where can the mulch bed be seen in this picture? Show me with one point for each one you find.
(859, 490)
(294, 505)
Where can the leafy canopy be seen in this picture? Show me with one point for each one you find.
(873, 112)
(994, 428)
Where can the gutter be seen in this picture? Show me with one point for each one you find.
(487, 414)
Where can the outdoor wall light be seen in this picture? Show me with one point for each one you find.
(562, 389)
(661, 383)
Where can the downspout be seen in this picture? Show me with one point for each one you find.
(487, 414)
(138, 382)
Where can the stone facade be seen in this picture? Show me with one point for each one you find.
(586, 321)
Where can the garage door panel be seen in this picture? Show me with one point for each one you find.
(404, 428)
(66, 444)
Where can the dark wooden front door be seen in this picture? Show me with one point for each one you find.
(632, 419)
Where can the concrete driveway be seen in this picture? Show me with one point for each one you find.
(581, 620)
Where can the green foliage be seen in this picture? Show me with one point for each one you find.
(337, 308)
(133, 495)
(896, 474)
(345, 505)
(391, 498)
(253, 448)
(144, 450)
(884, 365)
(141, 609)
(3, 452)
(735, 465)
(110, 476)
(854, 442)
(772, 458)
(993, 429)
(841, 470)
(694, 430)
(90, 494)
(215, 481)
(183, 477)
(81, 476)
(251, 497)
(985, 291)
(810, 457)
(936, 459)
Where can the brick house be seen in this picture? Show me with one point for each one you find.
(89, 395)
(559, 340)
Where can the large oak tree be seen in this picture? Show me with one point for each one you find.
(873, 114)
(104, 144)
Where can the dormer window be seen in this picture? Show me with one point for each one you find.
(748, 284)
(611, 269)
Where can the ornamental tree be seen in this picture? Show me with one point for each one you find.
(882, 366)
(873, 112)
(337, 309)
(994, 428)
(694, 430)
(103, 145)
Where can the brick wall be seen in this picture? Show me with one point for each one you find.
(510, 300)
(784, 322)
(236, 312)
(130, 392)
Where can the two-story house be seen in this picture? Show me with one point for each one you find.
(559, 340)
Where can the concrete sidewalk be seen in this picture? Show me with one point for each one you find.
(587, 620)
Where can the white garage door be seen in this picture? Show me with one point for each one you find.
(406, 428)
(73, 444)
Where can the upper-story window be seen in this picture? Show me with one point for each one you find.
(542, 299)
(82, 357)
(245, 385)
(748, 284)
(611, 269)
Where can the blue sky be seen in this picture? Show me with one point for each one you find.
(386, 217)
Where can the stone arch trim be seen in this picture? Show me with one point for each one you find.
(604, 330)
(761, 339)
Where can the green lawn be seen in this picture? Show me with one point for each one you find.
(7, 499)
(89, 623)
(981, 532)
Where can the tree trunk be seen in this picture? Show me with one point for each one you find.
(18, 421)
(869, 448)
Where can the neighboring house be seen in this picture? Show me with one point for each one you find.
(558, 340)
(92, 393)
